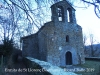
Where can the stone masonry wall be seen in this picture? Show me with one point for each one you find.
(30, 46)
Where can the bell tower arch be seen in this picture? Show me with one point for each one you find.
(60, 13)
(63, 12)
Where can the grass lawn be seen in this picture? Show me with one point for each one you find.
(91, 67)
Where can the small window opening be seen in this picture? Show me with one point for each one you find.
(67, 38)
(60, 14)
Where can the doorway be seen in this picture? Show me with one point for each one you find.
(68, 58)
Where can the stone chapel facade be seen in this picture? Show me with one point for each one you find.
(59, 41)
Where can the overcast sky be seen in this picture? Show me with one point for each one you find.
(89, 21)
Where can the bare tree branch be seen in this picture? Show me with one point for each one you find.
(96, 4)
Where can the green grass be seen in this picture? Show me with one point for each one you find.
(91, 68)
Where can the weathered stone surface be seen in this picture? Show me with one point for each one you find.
(30, 46)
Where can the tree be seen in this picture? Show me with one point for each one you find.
(96, 4)
(29, 15)
(24, 17)
(8, 24)
(35, 12)
(92, 41)
(84, 42)
(91, 48)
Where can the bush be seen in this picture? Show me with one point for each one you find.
(8, 46)
(15, 55)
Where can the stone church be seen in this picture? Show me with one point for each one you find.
(59, 41)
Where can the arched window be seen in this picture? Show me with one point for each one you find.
(69, 15)
(67, 38)
(60, 13)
